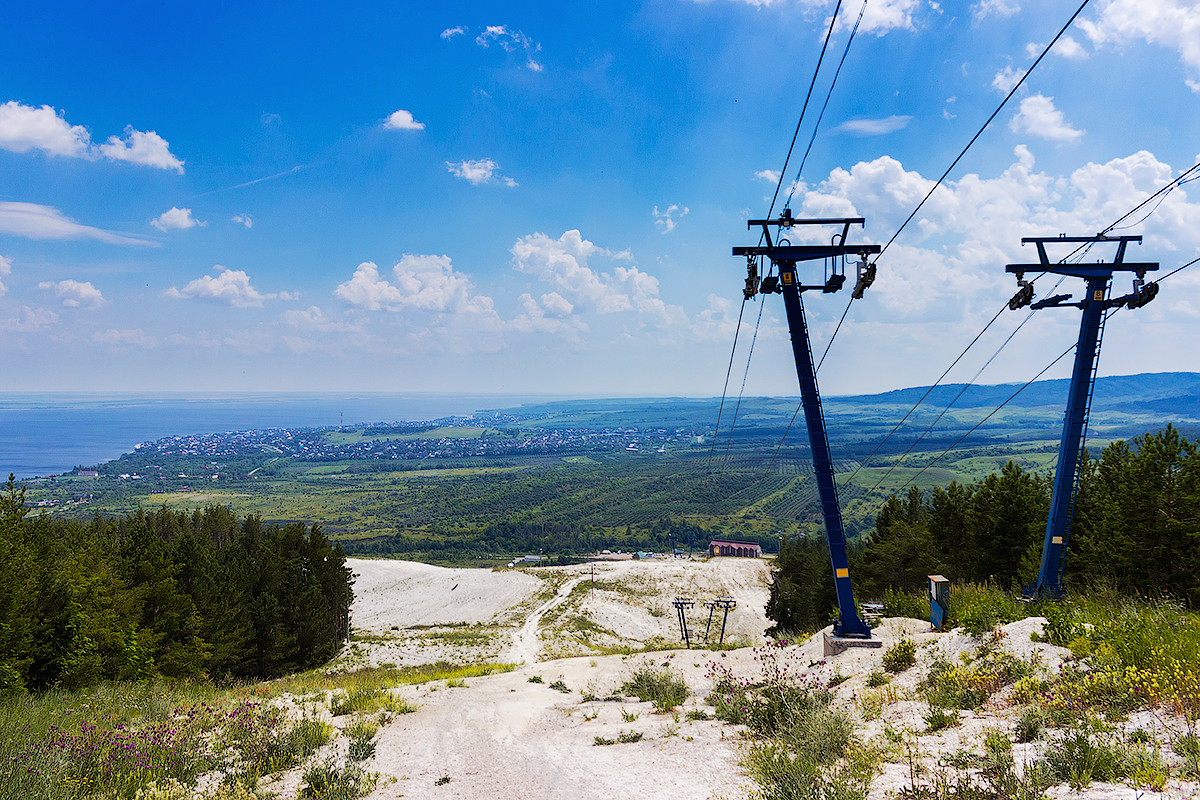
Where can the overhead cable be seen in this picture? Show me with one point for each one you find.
(724, 391)
(982, 128)
(807, 97)
(821, 116)
(977, 425)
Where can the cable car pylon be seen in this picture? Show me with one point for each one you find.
(849, 630)
(1095, 305)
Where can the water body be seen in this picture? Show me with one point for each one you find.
(45, 434)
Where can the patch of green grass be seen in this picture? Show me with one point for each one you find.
(979, 608)
(663, 688)
(900, 656)
(327, 781)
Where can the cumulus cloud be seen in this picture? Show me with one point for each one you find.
(243, 219)
(552, 315)
(421, 282)
(562, 263)
(141, 147)
(1038, 117)
(30, 320)
(1006, 79)
(450, 33)
(948, 257)
(667, 220)
(24, 128)
(478, 172)
(768, 175)
(230, 286)
(402, 120)
(135, 337)
(511, 42)
(75, 294)
(176, 219)
(1169, 23)
(35, 221)
(5, 270)
(874, 127)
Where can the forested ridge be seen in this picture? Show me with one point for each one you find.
(163, 593)
(1136, 530)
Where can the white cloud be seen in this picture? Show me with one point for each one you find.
(402, 120)
(768, 175)
(1038, 117)
(880, 16)
(1006, 79)
(946, 262)
(75, 294)
(5, 270)
(563, 264)
(1067, 47)
(176, 219)
(1169, 23)
(141, 147)
(450, 33)
(874, 127)
(31, 320)
(24, 128)
(243, 219)
(230, 286)
(35, 221)
(478, 172)
(667, 220)
(511, 42)
(422, 282)
(135, 337)
(1001, 8)
(552, 315)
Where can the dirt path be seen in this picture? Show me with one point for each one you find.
(503, 737)
(526, 643)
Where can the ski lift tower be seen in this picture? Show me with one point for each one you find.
(849, 630)
(1095, 305)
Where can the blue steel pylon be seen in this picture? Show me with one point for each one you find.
(1094, 304)
(787, 282)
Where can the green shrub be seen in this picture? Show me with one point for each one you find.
(559, 686)
(900, 656)
(326, 781)
(600, 741)
(939, 718)
(661, 687)
(1189, 747)
(1085, 755)
(980, 608)
(697, 715)
(902, 604)
(535, 679)
(1030, 725)
(877, 678)
(629, 738)
(362, 739)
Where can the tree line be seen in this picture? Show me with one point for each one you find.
(1136, 529)
(164, 593)
(515, 537)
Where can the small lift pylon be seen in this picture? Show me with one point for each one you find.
(1095, 303)
(786, 281)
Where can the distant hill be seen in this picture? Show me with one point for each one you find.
(1161, 391)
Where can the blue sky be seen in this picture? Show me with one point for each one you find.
(533, 198)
